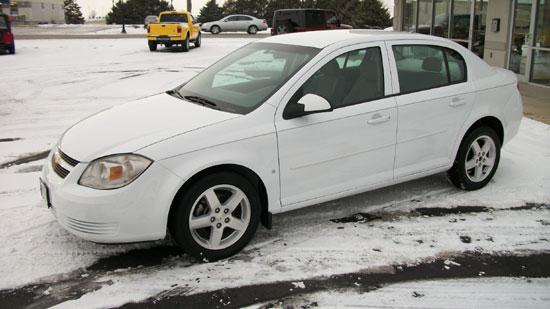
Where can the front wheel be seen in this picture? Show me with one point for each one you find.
(216, 216)
(477, 159)
(215, 30)
(152, 46)
(11, 49)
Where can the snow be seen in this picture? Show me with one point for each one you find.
(51, 84)
(457, 293)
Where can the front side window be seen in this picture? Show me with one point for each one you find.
(173, 18)
(352, 78)
(420, 67)
(247, 77)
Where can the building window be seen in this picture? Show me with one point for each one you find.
(409, 16)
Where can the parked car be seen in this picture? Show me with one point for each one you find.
(300, 20)
(236, 23)
(7, 40)
(151, 19)
(282, 123)
(174, 28)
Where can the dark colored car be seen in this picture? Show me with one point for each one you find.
(6, 36)
(300, 20)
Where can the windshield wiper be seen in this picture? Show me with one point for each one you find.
(201, 101)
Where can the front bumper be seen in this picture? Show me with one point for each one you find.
(136, 212)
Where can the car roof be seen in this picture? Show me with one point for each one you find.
(322, 39)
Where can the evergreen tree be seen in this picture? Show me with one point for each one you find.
(73, 15)
(248, 7)
(211, 11)
(135, 11)
(373, 15)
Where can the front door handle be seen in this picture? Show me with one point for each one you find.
(456, 102)
(378, 118)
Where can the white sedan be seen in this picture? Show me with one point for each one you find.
(283, 123)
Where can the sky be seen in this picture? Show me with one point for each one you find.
(102, 7)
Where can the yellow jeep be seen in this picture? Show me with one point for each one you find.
(174, 28)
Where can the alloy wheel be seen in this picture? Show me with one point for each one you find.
(219, 217)
(480, 158)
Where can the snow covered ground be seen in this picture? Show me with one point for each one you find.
(51, 84)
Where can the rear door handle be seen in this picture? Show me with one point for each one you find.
(456, 102)
(377, 118)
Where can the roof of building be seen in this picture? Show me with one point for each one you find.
(322, 39)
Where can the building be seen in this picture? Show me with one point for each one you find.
(513, 34)
(36, 11)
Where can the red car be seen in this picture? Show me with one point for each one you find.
(300, 20)
(6, 36)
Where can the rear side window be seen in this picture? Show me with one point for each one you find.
(244, 18)
(173, 18)
(351, 78)
(423, 67)
(3, 23)
(290, 19)
(420, 67)
(457, 66)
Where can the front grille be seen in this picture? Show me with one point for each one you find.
(66, 158)
(62, 164)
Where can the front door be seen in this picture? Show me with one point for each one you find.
(349, 148)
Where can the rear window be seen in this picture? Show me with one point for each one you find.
(315, 18)
(292, 19)
(3, 23)
(173, 18)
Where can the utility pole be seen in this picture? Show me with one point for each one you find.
(189, 6)
(123, 13)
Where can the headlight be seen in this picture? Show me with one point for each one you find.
(114, 171)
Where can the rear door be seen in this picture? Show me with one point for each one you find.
(435, 97)
(243, 23)
(347, 149)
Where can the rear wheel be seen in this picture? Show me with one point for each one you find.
(215, 30)
(185, 44)
(198, 41)
(282, 29)
(152, 46)
(216, 216)
(477, 159)
(252, 30)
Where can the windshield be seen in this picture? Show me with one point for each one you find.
(173, 18)
(242, 81)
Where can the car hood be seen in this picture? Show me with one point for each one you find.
(129, 127)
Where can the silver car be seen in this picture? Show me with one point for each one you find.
(233, 23)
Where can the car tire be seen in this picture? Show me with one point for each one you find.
(152, 46)
(215, 30)
(198, 41)
(211, 203)
(282, 29)
(185, 45)
(11, 49)
(252, 30)
(477, 159)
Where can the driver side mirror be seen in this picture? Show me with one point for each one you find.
(308, 104)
